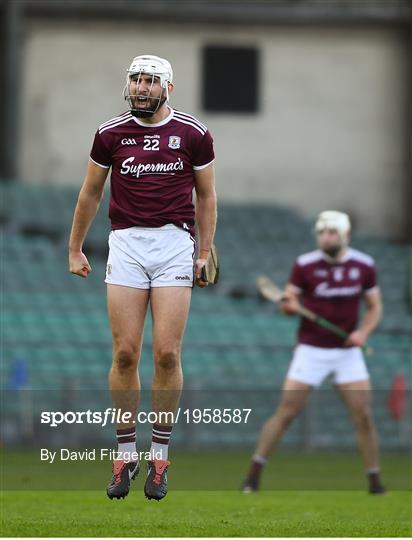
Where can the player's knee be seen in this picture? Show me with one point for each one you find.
(287, 412)
(125, 359)
(167, 360)
(363, 417)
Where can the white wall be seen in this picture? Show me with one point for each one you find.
(330, 133)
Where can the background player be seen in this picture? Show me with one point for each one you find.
(157, 156)
(331, 282)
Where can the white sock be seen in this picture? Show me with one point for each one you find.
(160, 441)
(159, 451)
(373, 470)
(259, 459)
(126, 451)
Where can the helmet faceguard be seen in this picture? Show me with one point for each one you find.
(159, 69)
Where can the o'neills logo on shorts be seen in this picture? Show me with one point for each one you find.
(185, 278)
(142, 169)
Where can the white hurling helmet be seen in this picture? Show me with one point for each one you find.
(332, 219)
(156, 67)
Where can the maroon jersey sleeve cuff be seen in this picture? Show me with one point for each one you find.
(203, 153)
(371, 290)
(200, 167)
(99, 164)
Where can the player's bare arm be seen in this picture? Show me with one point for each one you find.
(206, 216)
(370, 321)
(88, 203)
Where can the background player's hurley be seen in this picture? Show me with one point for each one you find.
(272, 292)
(210, 272)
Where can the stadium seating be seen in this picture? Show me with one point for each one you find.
(57, 323)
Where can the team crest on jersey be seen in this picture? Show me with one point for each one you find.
(354, 273)
(174, 142)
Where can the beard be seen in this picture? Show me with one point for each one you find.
(332, 251)
(150, 109)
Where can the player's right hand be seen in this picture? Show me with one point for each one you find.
(199, 264)
(289, 304)
(78, 264)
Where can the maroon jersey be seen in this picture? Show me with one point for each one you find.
(332, 291)
(153, 166)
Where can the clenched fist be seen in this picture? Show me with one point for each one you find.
(78, 264)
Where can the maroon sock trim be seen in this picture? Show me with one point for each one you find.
(127, 431)
(126, 435)
(255, 470)
(161, 434)
(126, 439)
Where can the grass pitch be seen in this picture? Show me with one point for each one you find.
(198, 513)
(213, 513)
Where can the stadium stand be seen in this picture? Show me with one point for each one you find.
(57, 324)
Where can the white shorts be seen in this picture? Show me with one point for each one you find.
(145, 257)
(311, 365)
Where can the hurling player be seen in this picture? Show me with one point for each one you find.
(157, 156)
(331, 282)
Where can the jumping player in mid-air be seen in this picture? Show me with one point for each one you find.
(157, 156)
(331, 282)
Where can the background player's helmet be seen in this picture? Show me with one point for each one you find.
(156, 67)
(332, 219)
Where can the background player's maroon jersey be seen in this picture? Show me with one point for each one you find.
(332, 291)
(153, 167)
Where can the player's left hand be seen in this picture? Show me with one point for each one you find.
(199, 264)
(356, 339)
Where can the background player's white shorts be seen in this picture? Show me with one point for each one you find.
(311, 365)
(145, 257)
